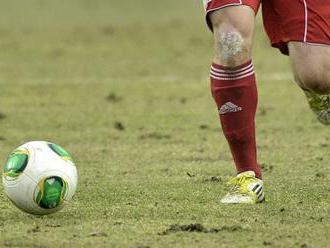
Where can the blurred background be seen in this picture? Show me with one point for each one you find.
(105, 39)
(60, 60)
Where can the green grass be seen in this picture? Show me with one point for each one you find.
(78, 72)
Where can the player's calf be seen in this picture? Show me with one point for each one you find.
(311, 66)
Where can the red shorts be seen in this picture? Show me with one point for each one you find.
(287, 20)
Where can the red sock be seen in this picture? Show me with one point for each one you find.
(235, 93)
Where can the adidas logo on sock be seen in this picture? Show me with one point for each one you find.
(229, 107)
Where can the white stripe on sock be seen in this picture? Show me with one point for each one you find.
(232, 78)
(232, 71)
(231, 75)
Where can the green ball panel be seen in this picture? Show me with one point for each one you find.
(50, 192)
(16, 163)
(60, 151)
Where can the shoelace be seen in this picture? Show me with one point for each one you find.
(237, 184)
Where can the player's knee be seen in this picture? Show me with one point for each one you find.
(232, 47)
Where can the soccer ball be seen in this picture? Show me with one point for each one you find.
(39, 177)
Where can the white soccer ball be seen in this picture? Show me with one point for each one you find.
(40, 177)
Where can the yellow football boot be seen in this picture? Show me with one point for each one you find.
(320, 105)
(245, 188)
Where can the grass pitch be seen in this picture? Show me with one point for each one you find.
(124, 87)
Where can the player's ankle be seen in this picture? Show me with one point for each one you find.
(256, 171)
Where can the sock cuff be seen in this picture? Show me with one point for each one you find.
(219, 72)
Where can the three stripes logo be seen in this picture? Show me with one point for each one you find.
(229, 107)
(258, 189)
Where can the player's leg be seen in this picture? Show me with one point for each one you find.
(233, 86)
(311, 67)
(301, 30)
